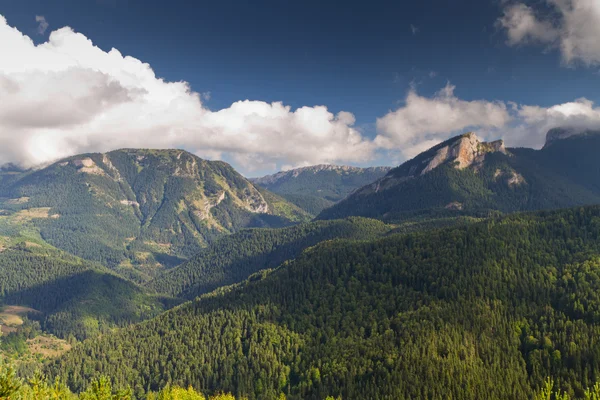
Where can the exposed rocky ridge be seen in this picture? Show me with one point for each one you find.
(483, 178)
(466, 150)
(178, 163)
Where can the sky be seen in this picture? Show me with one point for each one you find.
(271, 85)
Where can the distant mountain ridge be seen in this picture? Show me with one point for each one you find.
(294, 173)
(317, 187)
(465, 175)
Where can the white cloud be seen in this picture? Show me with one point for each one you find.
(534, 121)
(67, 96)
(42, 24)
(573, 26)
(423, 122)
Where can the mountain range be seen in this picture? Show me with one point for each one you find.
(453, 275)
(317, 187)
(137, 211)
(466, 176)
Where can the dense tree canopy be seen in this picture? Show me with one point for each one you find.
(488, 310)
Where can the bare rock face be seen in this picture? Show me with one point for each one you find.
(88, 166)
(465, 151)
(455, 205)
(209, 204)
(255, 202)
(84, 163)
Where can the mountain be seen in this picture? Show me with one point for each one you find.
(318, 187)
(483, 311)
(465, 176)
(137, 211)
(73, 297)
(235, 257)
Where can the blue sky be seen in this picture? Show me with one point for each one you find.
(358, 57)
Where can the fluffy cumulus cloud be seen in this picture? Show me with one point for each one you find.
(573, 26)
(534, 121)
(422, 122)
(425, 121)
(67, 96)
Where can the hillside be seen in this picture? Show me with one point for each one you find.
(137, 211)
(465, 176)
(484, 311)
(318, 187)
(74, 297)
(235, 257)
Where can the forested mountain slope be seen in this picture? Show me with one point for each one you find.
(139, 210)
(464, 176)
(234, 258)
(320, 186)
(483, 311)
(74, 297)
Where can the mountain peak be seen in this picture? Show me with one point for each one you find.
(560, 133)
(465, 150)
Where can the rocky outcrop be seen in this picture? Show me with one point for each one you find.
(88, 166)
(111, 168)
(209, 204)
(455, 205)
(255, 202)
(466, 151)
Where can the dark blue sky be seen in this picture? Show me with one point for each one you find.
(354, 56)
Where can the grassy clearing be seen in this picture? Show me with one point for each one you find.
(11, 317)
(48, 346)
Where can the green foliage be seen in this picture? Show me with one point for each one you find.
(547, 392)
(38, 387)
(486, 310)
(74, 297)
(235, 257)
(14, 343)
(176, 393)
(101, 389)
(9, 383)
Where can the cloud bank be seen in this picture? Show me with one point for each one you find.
(423, 122)
(572, 26)
(67, 96)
